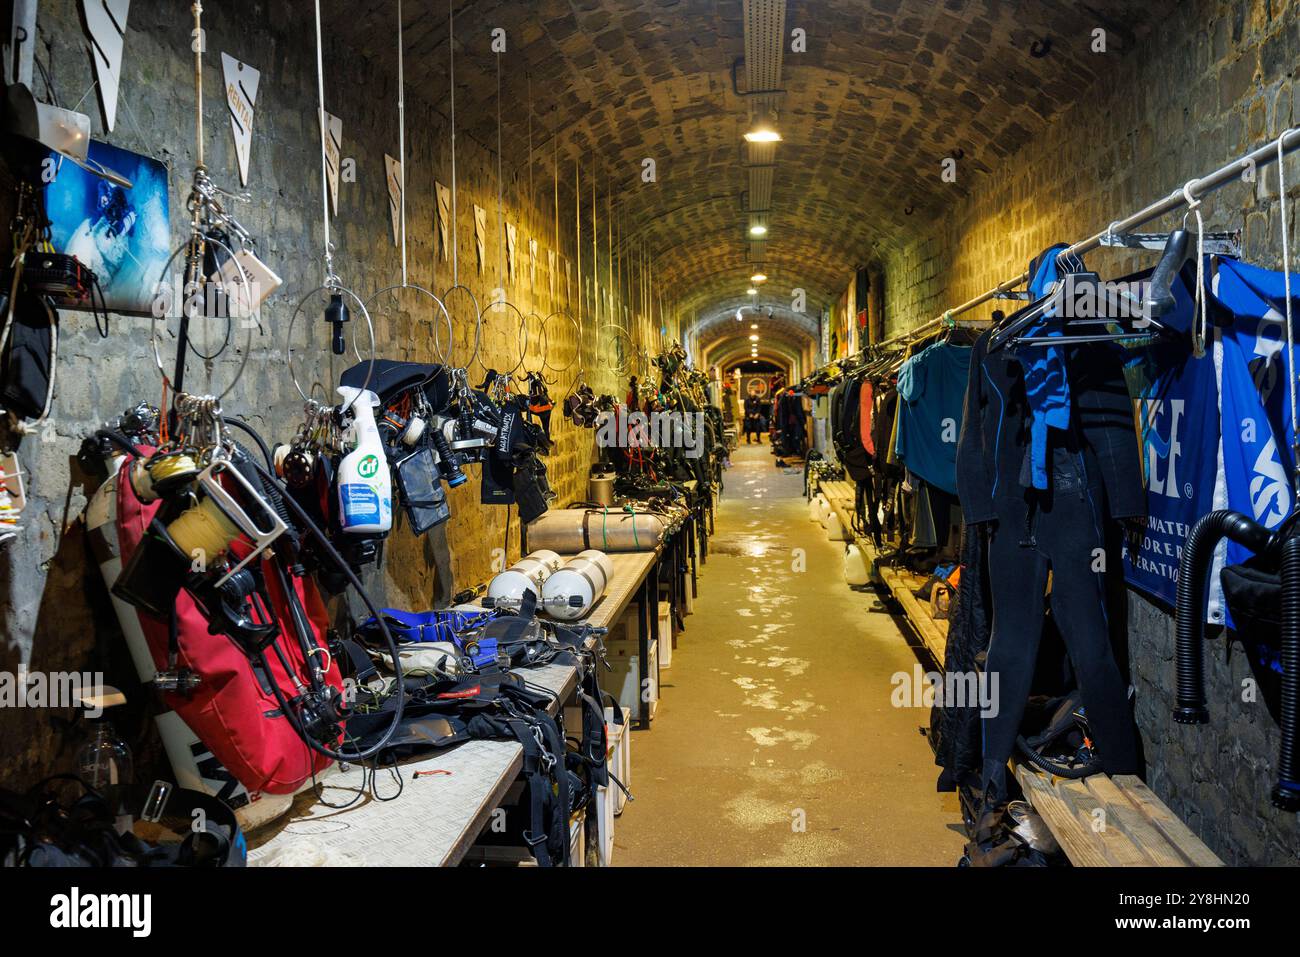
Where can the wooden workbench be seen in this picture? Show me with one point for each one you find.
(437, 817)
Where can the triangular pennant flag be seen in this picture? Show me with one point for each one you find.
(333, 155)
(550, 261)
(241, 92)
(106, 24)
(568, 280)
(394, 193)
(480, 235)
(512, 241)
(532, 264)
(444, 216)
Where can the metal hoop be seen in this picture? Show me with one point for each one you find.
(577, 343)
(523, 331)
(247, 297)
(478, 325)
(621, 369)
(542, 349)
(442, 358)
(288, 340)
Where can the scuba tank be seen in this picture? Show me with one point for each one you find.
(570, 592)
(364, 483)
(507, 589)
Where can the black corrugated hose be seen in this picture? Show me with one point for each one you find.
(1286, 793)
(1193, 572)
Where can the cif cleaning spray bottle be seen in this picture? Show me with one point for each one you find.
(365, 486)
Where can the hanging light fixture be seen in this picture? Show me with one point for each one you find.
(753, 337)
(763, 129)
(752, 291)
(758, 277)
(757, 229)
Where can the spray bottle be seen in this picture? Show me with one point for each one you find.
(365, 485)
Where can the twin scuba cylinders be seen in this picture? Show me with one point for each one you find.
(564, 590)
(507, 589)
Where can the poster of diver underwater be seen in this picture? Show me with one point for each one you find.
(122, 235)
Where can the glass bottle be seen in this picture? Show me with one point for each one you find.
(104, 762)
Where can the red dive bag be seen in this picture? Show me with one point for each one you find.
(230, 711)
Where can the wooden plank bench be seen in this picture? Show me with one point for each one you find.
(1101, 821)
(901, 583)
(933, 632)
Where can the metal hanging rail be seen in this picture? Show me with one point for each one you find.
(1184, 196)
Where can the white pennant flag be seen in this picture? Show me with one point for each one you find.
(512, 242)
(241, 91)
(333, 154)
(532, 264)
(106, 23)
(394, 193)
(550, 262)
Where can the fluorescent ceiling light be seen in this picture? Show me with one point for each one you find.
(753, 325)
(752, 291)
(753, 338)
(763, 130)
(758, 277)
(758, 229)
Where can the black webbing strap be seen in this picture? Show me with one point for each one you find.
(363, 669)
(536, 837)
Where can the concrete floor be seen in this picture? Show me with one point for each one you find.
(776, 742)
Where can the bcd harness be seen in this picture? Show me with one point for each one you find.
(493, 702)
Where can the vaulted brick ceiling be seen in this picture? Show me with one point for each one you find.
(885, 91)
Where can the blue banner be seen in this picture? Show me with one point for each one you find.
(1176, 410)
(1255, 405)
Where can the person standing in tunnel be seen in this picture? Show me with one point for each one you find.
(755, 418)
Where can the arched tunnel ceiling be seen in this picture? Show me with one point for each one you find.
(776, 324)
(885, 91)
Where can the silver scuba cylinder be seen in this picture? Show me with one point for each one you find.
(571, 591)
(506, 590)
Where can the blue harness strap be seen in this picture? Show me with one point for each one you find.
(444, 625)
(1047, 388)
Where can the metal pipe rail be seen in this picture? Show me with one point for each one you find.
(1184, 196)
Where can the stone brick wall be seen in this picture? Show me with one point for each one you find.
(1207, 85)
(54, 611)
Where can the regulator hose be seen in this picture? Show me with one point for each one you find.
(1286, 793)
(1193, 574)
(253, 434)
(268, 480)
(1044, 763)
(121, 441)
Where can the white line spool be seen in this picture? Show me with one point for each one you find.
(570, 592)
(507, 589)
